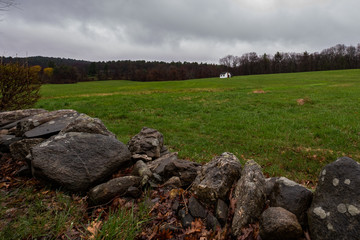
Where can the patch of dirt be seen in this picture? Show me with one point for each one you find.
(343, 85)
(302, 101)
(259, 91)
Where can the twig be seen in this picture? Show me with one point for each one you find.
(307, 236)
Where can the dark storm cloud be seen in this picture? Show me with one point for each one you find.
(192, 30)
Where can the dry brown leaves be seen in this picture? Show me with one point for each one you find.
(93, 229)
(166, 225)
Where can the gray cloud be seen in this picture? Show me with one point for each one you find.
(187, 30)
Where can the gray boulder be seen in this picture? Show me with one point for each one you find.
(335, 209)
(149, 142)
(169, 165)
(250, 197)
(293, 197)
(215, 178)
(84, 123)
(9, 117)
(121, 186)
(56, 121)
(78, 161)
(277, 223)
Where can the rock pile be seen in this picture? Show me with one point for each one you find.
(79, 154)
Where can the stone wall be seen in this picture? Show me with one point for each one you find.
(76, 152)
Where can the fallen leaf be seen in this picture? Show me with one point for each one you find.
(94, 228)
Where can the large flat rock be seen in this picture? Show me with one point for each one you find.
(49, 128)
(35, 121)
(78, 161)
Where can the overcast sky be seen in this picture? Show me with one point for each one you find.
(175, 30)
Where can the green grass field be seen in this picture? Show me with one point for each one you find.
(202, 118)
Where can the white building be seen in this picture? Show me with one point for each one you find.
(225, 75)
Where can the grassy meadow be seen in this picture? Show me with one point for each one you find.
(202, 118)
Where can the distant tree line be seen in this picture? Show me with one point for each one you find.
(334, 58)
(61, 70)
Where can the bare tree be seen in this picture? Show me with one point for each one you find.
(19, 86)
(227, 61)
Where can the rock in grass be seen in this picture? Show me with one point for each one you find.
(335, 209)
(148, 141)
(216, 178)
(78, 161)
(277, 223)
(250, 197)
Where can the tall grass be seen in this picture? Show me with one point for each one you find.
(124, 223)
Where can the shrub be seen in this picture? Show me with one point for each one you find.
(19, 86)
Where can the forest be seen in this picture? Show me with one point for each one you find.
(61, 70)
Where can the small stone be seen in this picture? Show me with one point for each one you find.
(186, 218)
(104, 192)
(211, 222)
(335, 182)
(141, 169)
(221, 211)
(292, 197)
(175, 206)
(196, 209)
(173, 182)
(276, 223)
(134, 192)
(347, 181)
(143, 157)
